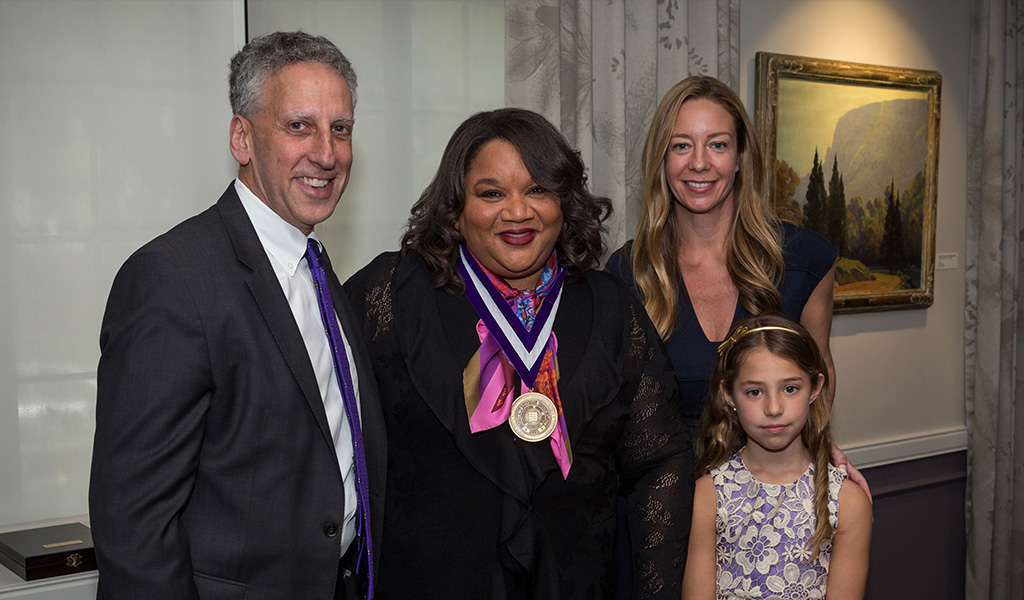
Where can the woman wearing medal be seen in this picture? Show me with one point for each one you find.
(523, 391)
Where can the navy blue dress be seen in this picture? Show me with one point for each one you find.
(808, 258)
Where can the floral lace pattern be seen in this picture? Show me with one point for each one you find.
(763, 532)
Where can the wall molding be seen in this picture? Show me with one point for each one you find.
(911, 448)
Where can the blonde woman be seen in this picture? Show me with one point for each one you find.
(708, 251)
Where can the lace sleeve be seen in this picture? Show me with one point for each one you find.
(656, 459)
(369, 291)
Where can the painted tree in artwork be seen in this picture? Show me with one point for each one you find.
(844, 240)
(786, 206)
(814, 208)
(835, 210)
(892, 239)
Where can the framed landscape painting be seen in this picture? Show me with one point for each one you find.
(851, 152)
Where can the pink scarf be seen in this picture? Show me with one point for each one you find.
(490, 404)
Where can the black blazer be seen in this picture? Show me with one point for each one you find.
(214, 474)
(489, 516)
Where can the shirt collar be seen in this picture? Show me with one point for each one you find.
(282, 240)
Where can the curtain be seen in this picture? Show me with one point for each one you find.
(995, 322)
(602, 95)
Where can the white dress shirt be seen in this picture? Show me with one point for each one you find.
(286, 247)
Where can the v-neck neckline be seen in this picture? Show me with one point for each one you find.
(737, 313)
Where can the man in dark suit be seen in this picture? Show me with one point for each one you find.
(223, 463)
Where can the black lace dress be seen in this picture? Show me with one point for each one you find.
(489, 516)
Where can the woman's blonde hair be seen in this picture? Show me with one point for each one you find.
(754, 252)
(720, 435)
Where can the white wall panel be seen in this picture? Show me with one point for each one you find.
(115, 120)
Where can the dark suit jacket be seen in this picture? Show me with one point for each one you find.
(488, 516)
(214, 474)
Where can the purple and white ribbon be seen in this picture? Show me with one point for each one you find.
(523, 347)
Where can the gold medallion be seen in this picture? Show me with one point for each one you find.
(533, 417)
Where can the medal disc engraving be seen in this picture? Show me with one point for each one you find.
(533, 417)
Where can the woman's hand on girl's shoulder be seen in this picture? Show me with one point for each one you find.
(848, 568)
(840, 460)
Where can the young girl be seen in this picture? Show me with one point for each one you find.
(771, 517)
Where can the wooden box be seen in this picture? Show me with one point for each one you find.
(48, 551)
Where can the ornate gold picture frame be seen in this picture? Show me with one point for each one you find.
(851, 151)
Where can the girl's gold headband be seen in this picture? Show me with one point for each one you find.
(724, 347)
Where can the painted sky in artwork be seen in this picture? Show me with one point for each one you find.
(809, 110)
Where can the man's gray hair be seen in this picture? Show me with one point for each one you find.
(265, 55)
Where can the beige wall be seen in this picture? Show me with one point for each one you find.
(900, 373)
(115, 125)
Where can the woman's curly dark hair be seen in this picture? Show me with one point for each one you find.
(552, 163)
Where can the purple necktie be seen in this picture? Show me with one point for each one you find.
(341, 368)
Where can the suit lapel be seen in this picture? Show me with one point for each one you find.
(572, 328)
(270, 299)
(437, 336)
(590, 369)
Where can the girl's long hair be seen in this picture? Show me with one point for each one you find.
(754, 251)
(721, 436)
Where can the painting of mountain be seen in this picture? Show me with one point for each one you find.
(851, 153)
(875, 143)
